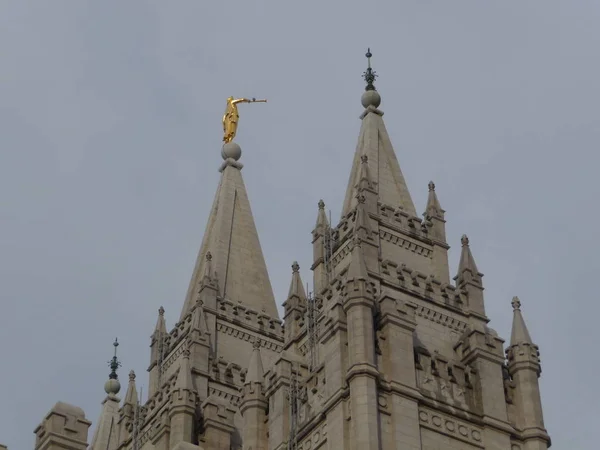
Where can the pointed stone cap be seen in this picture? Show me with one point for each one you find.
(362, 224)
(467, 262)
(357, 270)
(230, 236)
(131, 397)
(519, 333)
(322, 222)
(433, 208)
(184, 377)
(296, 286)
(161, 326)
(199, 320)
(383, 166)
(255, 367)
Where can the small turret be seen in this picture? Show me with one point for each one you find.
(182, 411)
(436, 228)
(131, 396)
(294, 307)
(469, 279)
(321, 246)
(524, 368)
(359, 306)
(157, 351)
(254, 403)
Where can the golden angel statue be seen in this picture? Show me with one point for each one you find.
(232, 116)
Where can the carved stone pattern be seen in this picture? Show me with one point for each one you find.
(450, 426)
(443, 319)
(341, 253)
(405, 243)
(248, 337)
(234, 400)
(173, 356)
(314, 440)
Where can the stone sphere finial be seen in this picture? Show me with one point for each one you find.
(112, 386)
(231, 150)
(370, 98)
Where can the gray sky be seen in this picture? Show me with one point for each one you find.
(110, 122)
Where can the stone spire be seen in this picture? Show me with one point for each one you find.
(357, 275)
(184, 377)
(519, 334)
(322, 222)
(374, 142)
(255, 367)
(105, 435)
(232, 242)
(470, 279)
(296, 288)
(131, 396)
(524, 368)
(467, 262)
(433, 208)
(294, 307)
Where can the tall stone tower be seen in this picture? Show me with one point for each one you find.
(386, 352)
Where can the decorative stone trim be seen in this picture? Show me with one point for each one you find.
(245, 336)
(232, 399)
(450, 426)
(406, 244)
(314, 440)
(441, 318)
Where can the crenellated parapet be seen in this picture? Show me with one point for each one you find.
(65, 427)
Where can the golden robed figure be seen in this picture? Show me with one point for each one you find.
(232, 116)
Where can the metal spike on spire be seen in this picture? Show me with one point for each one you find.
(114, 363)
(369, 75)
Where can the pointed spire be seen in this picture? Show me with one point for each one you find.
(357, 270)
(184, 377)
(229, 238)
(296, 286)
(520, 333)
(467, 262)
(384, 169)
(255, 367)
(199, 320)
(161, 326)
(362, 225)
(433, 208)
(131, 397)
(322, 222)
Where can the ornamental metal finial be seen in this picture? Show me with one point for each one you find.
(369, 75)
(114, 363)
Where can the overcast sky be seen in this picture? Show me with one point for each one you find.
(110, 125)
